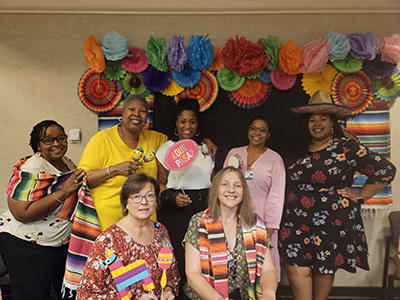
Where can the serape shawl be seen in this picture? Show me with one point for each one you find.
(26, 186)
(213, 254)
(372, 127)
(85, 229)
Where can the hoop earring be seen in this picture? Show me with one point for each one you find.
(176, 131)
(120, 119)
(332, 131)
(197, 133)
(125, 212)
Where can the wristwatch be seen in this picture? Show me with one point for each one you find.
(360, 199)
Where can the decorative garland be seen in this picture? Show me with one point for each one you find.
(248, 70)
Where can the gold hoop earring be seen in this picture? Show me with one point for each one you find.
(197, 133)
(176, 131)
(125, 212)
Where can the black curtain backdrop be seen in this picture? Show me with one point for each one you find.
(226, 124)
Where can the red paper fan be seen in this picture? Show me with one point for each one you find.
(205, 91)
(353, 90)
(97, 92)
(251, 94)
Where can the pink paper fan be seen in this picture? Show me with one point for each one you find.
(135, 63)
(281, 80)
(251, 94)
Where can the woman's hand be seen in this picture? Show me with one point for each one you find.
(148, 297)
(167, 294)
(73, 183)
(212, 148)
(182, 200)
(125, 168)
(348, 193)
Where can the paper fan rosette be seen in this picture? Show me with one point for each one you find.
(205, 91)
(97, 92)
(313, 82)
(251, 94)
(352, 90)
(281, 80)
(229, 80)
(132, 84)
(387, 88)
(173, 89)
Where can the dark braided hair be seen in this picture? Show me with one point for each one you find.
(39, 131)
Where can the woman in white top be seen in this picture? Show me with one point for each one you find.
(177, 207)
(34, 232)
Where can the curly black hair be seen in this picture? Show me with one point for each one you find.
(39, 131)
(182, 105)
(262, 117)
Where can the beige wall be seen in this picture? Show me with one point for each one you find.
(41, 62)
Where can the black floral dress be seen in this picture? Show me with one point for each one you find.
(321, 229)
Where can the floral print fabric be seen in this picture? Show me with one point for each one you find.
(320, 228)
(99, 284)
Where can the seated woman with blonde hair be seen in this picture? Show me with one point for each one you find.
(227, 246)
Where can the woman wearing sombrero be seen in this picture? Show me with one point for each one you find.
(322, 228)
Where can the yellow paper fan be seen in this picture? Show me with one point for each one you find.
(319, 81)
(173, 89)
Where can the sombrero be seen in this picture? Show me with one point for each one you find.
(321, 103)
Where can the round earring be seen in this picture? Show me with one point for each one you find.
(332, 132)
(120, 119)
(125, 212)
(176, 131)
(197, 133)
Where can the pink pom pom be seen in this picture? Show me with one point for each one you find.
(391, 49)
(315, 57)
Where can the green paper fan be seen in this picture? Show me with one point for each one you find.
(113, 70)
(229, 80)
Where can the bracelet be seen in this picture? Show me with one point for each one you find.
(221, 298)
(172, 289)
(108, 171)
(58, 200)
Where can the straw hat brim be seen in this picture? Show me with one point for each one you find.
(322, 108)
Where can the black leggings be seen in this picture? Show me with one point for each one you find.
(33, 269)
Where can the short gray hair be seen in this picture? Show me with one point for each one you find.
(135, 97)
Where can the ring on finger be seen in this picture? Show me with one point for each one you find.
(133, 171)
(76, 181)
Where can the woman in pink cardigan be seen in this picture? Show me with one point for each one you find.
(264, 171)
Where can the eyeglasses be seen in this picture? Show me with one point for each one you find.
(255, 128)
(150, 197)
(50, 140)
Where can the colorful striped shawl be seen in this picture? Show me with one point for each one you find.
(213, 254)
(85, 229)
(26, 186)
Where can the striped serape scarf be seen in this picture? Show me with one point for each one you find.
(85, 229)
(213, 254)
(26, 186)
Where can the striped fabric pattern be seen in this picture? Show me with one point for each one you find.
(85, 229)
(213, 254)
(26, 186)
(372, 127)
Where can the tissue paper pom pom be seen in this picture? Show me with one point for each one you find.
(156, 51)
(156, 80)
(93, 55)
(200, 52)
(114, 70)
(229, 80)
(218, 61)
(188, 77)
(391, 49)
(339, 45)
(136, 61)
(289, 58)
(272, 48)
(315, 57)
(252, 57)
(114, 46)
(379, 69)
(231, 54)
(176, 53)
(363, 45)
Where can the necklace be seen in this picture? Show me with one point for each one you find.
(122, 133)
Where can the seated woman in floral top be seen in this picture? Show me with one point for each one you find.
(132, 238)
